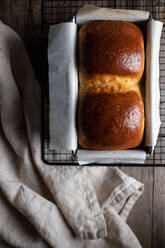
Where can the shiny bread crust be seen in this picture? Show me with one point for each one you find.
(111, 64)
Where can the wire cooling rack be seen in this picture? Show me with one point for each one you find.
(54, 12)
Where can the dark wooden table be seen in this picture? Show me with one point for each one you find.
(147, 219)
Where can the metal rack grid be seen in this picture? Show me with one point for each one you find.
(55, 11)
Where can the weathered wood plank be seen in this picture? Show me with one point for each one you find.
(159, 208)
(140, 219)
(25, 18)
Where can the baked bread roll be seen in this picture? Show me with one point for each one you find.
(111, 64)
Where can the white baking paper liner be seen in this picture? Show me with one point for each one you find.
(63, 85)
(111, 157)
(152, 91)
(92, 13)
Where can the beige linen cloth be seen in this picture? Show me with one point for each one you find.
(47, 206)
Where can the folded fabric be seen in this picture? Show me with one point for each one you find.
(20, 117)
(43, 205)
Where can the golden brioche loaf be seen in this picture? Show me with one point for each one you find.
(111, 64)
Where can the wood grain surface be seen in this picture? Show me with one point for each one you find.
(147, 219)
(141, 216)
(24, 16)
(159, 208)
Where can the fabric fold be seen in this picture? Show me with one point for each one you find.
(118, 189)
(82, 212)
(119, 233)
(47, 206)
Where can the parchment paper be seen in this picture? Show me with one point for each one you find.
(103, 157)
(92, 12)
(63, 86)
(152, 115)
(152, 91)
